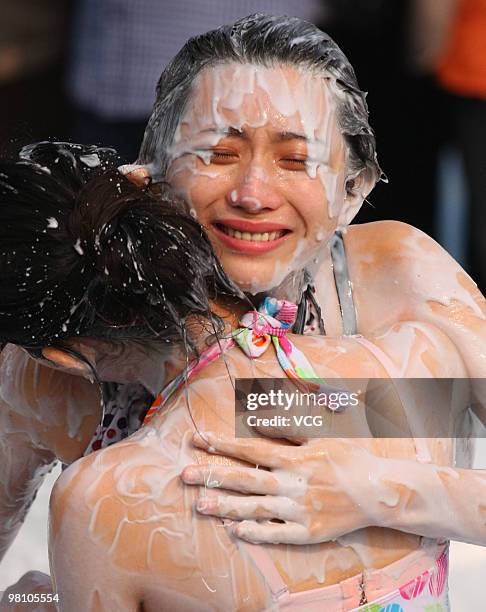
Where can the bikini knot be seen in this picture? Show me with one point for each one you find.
(270, 323)
(274, 318)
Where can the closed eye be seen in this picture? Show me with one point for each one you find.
(222, 155)
(218, 157)
(293, 163)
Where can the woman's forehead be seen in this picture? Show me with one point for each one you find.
(247, 95)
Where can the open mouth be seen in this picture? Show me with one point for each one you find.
(251, 236)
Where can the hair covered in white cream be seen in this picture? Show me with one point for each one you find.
(267, 41)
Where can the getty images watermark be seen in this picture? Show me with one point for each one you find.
(334, 400)
(378, 408)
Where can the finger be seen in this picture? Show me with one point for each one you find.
(255, 507)
(260, 452)
(138, 175)
(298, 441)
(66, 362)
(272, 533)
(241, 479)
(289, 432)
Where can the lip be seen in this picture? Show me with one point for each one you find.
(247, 246)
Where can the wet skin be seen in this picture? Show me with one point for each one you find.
(398, 273)
(131, 492)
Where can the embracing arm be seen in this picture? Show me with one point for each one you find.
(23, 463)
(431, 500)
(45, 415)
(434, 501)
(336, 486)
(22, 469)
(403, 494)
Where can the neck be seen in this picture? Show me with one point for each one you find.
(231, 309)
(291, 289)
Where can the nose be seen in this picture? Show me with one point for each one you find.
(254, 191)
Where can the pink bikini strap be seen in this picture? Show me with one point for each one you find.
(382, 357)
(423, 452)
(266, 566)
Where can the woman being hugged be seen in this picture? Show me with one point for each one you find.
(98, 277)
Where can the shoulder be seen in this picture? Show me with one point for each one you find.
(93, 507)
(124, 512)
(395, 263)
(99, 496)
(88, 529)
(382, 240)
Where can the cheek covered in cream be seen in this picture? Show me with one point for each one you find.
(262, 145)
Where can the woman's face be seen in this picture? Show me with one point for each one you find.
(260, 159)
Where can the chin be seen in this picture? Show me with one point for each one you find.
(282, 284)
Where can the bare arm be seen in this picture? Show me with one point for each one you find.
(48, 414)
(351, 483)
(45, 415)
(422, 283)
(22, 470)
(435, 501)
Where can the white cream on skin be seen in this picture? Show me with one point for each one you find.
(134, 488)
(440, 296)
(48, 415)
(256, 185)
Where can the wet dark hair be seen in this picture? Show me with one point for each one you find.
(84, 252)
(263, 40)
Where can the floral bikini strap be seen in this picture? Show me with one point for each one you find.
(270, 323)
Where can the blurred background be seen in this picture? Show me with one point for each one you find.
(85, 70)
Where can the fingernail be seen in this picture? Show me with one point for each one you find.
(239, 531)
(190, 475)
(201, 439)
(203, 504)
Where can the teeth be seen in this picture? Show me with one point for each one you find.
(252, 237)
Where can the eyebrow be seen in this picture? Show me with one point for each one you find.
(229, 131)
(278, 137)
(283, 136)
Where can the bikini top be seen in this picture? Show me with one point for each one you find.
(259, 328)
(125, 405)
(344, 286)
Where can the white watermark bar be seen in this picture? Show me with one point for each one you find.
(362, 408)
